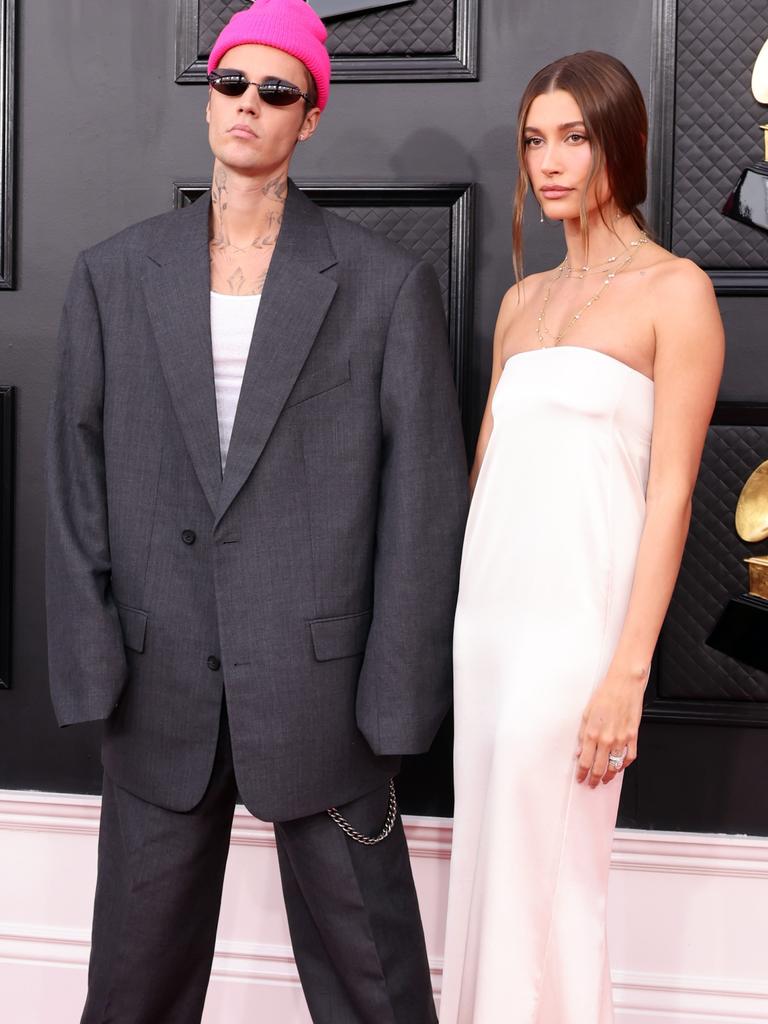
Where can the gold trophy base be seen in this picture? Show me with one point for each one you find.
(758, 577)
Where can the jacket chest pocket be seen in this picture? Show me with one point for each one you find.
(318, 382)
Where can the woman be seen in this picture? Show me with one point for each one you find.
(605, 372)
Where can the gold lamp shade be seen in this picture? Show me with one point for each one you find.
(752, 507)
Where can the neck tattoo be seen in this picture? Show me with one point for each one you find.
(274, 191)
(242, 269)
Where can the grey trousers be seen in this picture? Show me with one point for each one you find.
(352, 910)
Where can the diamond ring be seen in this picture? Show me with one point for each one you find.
(616, 761)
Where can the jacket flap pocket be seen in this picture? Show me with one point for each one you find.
(341, 637)
(134, 625)
(317, 383)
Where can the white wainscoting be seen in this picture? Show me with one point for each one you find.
(687, 924)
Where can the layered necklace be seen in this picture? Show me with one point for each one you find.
(608, 268)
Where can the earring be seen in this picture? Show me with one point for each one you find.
(541, 214)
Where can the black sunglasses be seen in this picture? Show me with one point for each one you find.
(274, 91)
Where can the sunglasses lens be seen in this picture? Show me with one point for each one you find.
(228, 83)
(279, 94)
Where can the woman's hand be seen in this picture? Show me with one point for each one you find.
(609, 725)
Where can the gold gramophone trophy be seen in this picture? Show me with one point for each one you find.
(742, 630)
(748, 203)
(752, 526)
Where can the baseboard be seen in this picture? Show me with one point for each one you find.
(681, 997)
(637, 996)
(656, 878)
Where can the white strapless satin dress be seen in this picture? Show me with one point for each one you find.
(546, 573)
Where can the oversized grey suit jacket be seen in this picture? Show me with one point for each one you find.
(315, 583)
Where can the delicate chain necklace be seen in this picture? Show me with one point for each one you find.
(593, 271)
(603, 265)
(541, 327)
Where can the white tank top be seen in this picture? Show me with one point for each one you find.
(233, 318)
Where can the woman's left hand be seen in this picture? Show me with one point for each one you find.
(609, 725)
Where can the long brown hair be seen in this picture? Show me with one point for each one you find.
(614, 115)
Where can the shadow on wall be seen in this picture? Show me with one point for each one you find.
(495, 154)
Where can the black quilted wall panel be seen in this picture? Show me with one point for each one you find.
(712, 572)
(716, 129)
(213, 16)
(424, 231)
(423, 27)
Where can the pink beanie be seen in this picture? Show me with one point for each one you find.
(288, 25)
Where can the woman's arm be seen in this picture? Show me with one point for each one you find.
(687, 370)
(510, 306)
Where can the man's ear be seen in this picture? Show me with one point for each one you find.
(310, 123)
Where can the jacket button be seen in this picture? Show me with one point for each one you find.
(213, 663)
(188, 536)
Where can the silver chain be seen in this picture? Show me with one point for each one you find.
(358, 837)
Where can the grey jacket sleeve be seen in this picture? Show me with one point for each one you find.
(405, 684)
(85, 647)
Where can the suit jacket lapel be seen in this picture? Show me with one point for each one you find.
(177, 291)
(294, 303)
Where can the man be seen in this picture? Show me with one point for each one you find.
(257, 493)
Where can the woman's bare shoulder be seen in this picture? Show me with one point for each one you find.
(678, 275)
(685, 312)
(519, 295)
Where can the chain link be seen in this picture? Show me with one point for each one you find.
(358, 837)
